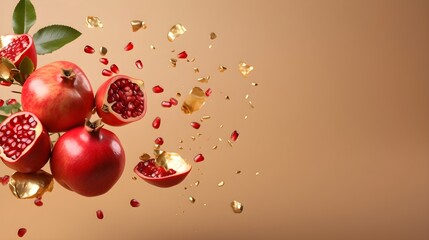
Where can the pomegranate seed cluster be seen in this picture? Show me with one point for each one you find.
(127, 98)
(17, 134)
(16, 46)
(150, 169)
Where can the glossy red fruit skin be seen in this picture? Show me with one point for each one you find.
(29, 52)
(60, 103)
(37, 156)
(164, 182)
(88, 163)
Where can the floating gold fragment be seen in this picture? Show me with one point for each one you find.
(236, 206)
(178, 94)
(229, 142)
(204, 79)
(103, 51)
(193, 138)
(144, 157)
(137, 25)
(30, 185)
(251, 104)
(192, 200)
(134, 178)
(173, 62)
(199, 134)
(210, 46)
(221, 183)
(226, 97)
(213, 35)
(221, 126)
(180, 141)
(222, 69)
(180, 148)
(204, 118)
(194, 101)
(196, 70)
(257, 173)
(245, 117)
(214, 147)
(171, 160)
(247, 96)
(244, 68)
(173, 50)
(7, 69)
(255, 84)
(93, 22)
(220, 139)
(152, 46)
(190, 60)
(175, 32)
(197, 183)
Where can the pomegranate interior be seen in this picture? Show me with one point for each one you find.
(16, 46)
(17, 134)
(126, 98)
(150, 169)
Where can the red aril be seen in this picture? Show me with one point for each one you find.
(59, 94)
(134, 203)
(17, 47)
(100, 214)
(24, 142)
(22, 232)
(121, 100)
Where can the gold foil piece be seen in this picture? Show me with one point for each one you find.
(193, 138)
(229, 142)
(213, 36)
(134, 178)
(192, 200)
(93, 22)
(257, 173)
(226, 97)
(244, 68)
(237, 207)
(196, 70)
(137, 25)
(237, 172)
(251, 104)
(245, 117)
(221, 183)
(176, 31)
(173, 62)
(152, 46)
(255, 84)
(178, 94)
(197, 183)
(247, 96)
(214, 147)
(221, 126)
(194, 101)
(204, 79)
(7, 70)
(210, 46)
(171, 160)
(190, 60)
(222, 69)
(103, 51)
(30, 185)
(144, 157)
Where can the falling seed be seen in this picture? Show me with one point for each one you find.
(5, 179)
(192, 200)
(208, 92)
(222, 69)
(129, 46)
(93, 22)
(199, 158)
(236, 206)
(173, 62)
(134, 203)
(38, 202)
(176, 31)
(234, 136)
(159, 141)
(156, 123)
(166, 104)
(137, 25)
(100, 214)
(204, 79)
(22, 232)
(194, 101)
(106, 73)
(197, 183)
(88, 49)
(104, 61)
(221, 183)
(144, 157)
(255, 84)
(213, 35)
(152, 47)
(139, 64)
(114, 68)
(244, 68)
(182, 55)
(157, 89)
(174, 101)
(196, 70)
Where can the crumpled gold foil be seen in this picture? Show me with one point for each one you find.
(244, 68)
(137, 25)
(176, 31)
(194, 101)
(171, 160)
(7, 70)
(203, 79)
(93, 22)
(236, 206)
(213, 36)
(31, 185)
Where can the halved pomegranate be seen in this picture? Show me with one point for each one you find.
(167, 170)
(17, 47)
(24, 142)
(121, 100)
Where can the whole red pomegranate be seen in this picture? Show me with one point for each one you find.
(88, 160)
(24, 143)
(59, 94)
(17, 47)
(121, 100)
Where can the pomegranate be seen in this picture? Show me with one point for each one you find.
(120, 100)
(88, 160)
(17, 47)
(59, 94)
(24, 142)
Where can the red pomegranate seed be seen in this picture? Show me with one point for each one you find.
(199, 158)
(22, 232)
(100, 214)
(134, 203)
(166, 104)
(38, 202)
(195, 125)
(173, 101)
(208, 92)
(129, 46)
(104, 61)
(1, 102)
(114, 68)
(5, 179)
(88, 49)
(11, 101)
(234, 136)
(182, 55)
(157, 89)
(5, 83)
(156, 123)
(150, 169)
(139, 64)
(106, 73)
(159, 141)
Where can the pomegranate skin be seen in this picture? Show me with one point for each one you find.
(59, 94)
(88, 163)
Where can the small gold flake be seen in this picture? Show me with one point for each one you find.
(257, 173)
(197, 183)
(222, 69)
(178, 94)
(226, 97)
(192, 200)
(210, 46)
(196, 70)
(213, 35)
(190, 60)
(193, 138)
(221, 183)
(251, 104)
(137, 25)
(152, 47)
(181, 141)
(199, 134)
(173, 62)
(134, 178)
(93, 22)
(194, 101)
(229, 142)
(205, 204)
(144, 157)
(204, 79)
(31, 185)
(103, 51)
(206, 117)
(236, 206)
(221, 126)
(245, 117)
(247, 96)
(220, 139)
(237, 172)
(181, 148)
(175, 32)
(214, 147)
(255, 84)
(244, 68)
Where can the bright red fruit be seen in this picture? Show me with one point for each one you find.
(24, 142)
(121, 100)
(17, 47)
(88, 160)
(59, 94)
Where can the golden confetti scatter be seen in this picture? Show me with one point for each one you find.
(220, 184)
(222, 69)
(103, 51)
(152, 47)
(244, 68)
(137, 25)
(31, 185)
(93, 22)
(192, 200)
(196, 70)
(237, 207)
(213, 36)
(255, 84)
(144, 157)
(197, 183)
(194, 101)
(204, 79)
(173, 62)
(176, 31)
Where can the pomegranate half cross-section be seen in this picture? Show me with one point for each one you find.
(121, 100)
(17, 47)
(24, 142)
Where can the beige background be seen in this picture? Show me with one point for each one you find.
(339, 134)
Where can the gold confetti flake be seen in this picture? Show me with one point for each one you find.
(31, 185)
(137, 25)
(204, 118)
(144, 157)
(220, 139)
(193, 138)
(229, 142)
(180, 141)
(210, 46)
(152, 47)
(178, 94)
(103, 51)
(255, 84)
(247, 96)
(237, 207)
(176, 31)
(226, 97)
(173, 62)
(192, 200)
(180, 148)
(257, 173)
(194, 101)
(213, 36)
(251, 104)
(197, 183)
(222, 69)
(190, 60)
(221, 183)
(245, 117)
(204, 79)
(237, 172)
(214, 147)
(244, 68)
(134, 178)
(221, 126)
(93, 22)
(199, 134)
(196, 70)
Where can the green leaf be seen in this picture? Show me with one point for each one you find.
(53, 37)
(26, 67)
(24, 17)
(11, 108)
(2, 118)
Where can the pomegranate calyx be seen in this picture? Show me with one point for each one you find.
(68, 75)
(94, 126)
